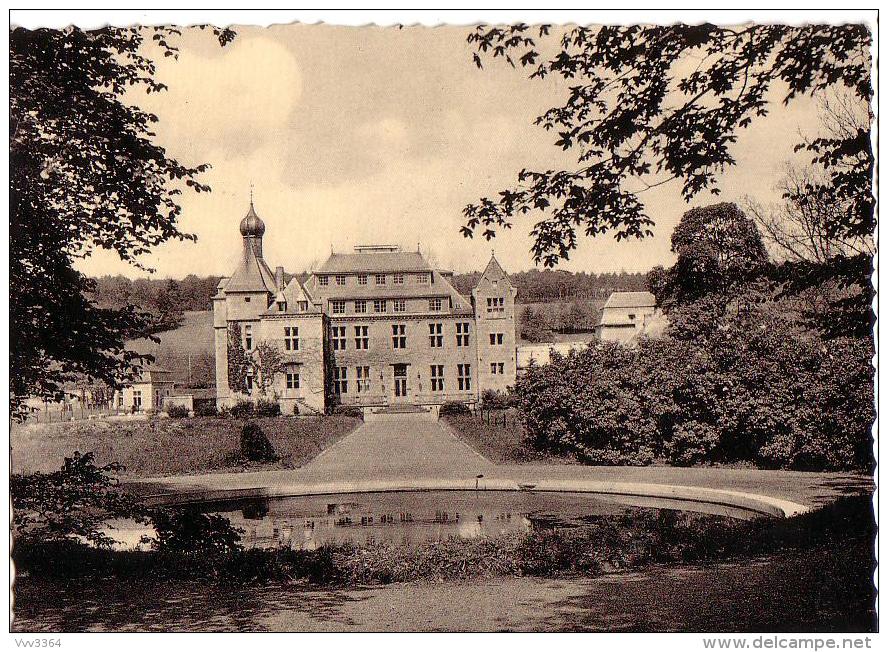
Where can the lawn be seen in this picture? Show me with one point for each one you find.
(499, 436)
(172, 446)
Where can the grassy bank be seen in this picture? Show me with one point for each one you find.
(172, 446)
(499, 436)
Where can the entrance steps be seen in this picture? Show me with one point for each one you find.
(402, 409)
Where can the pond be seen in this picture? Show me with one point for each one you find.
(415, 517)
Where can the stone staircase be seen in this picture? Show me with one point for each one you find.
(406, 408)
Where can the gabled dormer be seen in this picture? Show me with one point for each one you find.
(293, 299)
(494, 295)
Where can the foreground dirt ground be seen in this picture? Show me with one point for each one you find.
(825, 589)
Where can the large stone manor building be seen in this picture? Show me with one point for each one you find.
(373, 328)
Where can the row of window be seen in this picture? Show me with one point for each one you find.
(422, 278)
(339, 337)
(363, 379)
(436, 372)
(338, 306)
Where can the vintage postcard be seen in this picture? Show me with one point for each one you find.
(506, 325)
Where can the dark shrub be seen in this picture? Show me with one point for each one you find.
(178, 411)
(493, 399)
(242, 409)
(268, 409)
(255, 446)
(453, 408)
(73, 502)
(349, 411)
(756, 389)
(190, 531)
(205, 409)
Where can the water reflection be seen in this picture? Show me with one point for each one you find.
(413, 518)
(399, 519)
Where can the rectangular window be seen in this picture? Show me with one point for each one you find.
(338, 307)
(497, 368)
(422, 278)
(323, 280)
(464, 377)
(495, 305)
(246, 299)
(248, 337)
(337, 336)
(292, 380)
(436, 338)
(362, 339)
(303, 306)
(362, 279)
(496, 339)
(137, 398)
(360, 306)
(380, 279)
(462, 333)
(249, 383)
(398, 279)
(340, 380)
(291, 338)
(282, 306)
(400, 305)
(363, 378)
(435, 305)
(380, 305)
(437, 377)
(340, 279)
(399, 336)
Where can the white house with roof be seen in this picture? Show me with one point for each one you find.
(625, 315)
(147, 392)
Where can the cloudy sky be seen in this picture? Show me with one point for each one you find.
(382, 135)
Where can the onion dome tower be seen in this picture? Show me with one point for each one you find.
(252, 229)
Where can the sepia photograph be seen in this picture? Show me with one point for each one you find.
(470, 322)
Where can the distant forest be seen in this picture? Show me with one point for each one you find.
(168, 299)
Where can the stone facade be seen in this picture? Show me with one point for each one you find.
(372, 328)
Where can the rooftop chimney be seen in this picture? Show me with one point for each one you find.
(279, 277)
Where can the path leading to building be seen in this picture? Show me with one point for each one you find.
(398, 445)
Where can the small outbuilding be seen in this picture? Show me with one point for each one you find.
(147, 392)
(624, 315)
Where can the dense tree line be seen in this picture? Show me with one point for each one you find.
(546, 285)
(165, 299)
